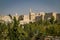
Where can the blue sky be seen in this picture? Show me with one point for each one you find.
(23, 6)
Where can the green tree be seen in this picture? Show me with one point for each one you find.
(52, 20)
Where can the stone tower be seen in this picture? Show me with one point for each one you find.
(31, 16)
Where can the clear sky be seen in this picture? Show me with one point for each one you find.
(23, 6)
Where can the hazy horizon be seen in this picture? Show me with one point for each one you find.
(23, 6)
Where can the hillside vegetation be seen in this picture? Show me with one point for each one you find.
(31, 31)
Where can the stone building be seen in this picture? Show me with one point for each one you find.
(24, 19)
(49, 15)
(5, 18)
(39, 16)
(32, 17)
(42, 14)
(58, 16)
(16, 15)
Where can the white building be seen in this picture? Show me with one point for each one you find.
(25, 19)
(6, 18)
(29, 18)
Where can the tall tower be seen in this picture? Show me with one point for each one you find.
(30, 10)
(31, 16)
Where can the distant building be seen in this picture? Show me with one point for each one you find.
(16, 15)
(32, 17)
(58, 16)
(49, 15)
(5, 18)
(24, 19)
(42, 14)
(54, 14)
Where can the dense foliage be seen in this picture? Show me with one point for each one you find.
(31, 31)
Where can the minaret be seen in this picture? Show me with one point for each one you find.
(30, 10)
(30, 14)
